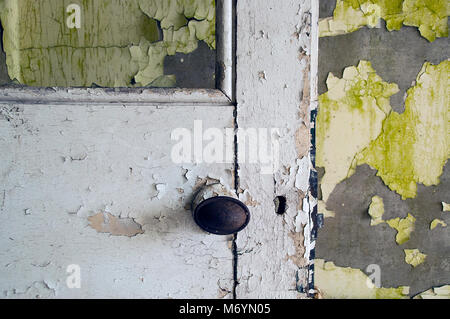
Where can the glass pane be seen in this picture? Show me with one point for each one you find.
(108, 43)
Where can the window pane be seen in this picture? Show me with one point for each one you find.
(108, 43)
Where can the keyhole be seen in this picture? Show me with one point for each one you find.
(280, 205)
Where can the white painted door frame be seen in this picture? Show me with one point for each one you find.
(277, 52)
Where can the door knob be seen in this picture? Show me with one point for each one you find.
(218, 211)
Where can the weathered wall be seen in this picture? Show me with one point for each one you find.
(348, 239)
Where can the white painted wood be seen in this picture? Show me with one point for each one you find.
(61, 164)
(76, 96)
(225, 53)
(273, 91)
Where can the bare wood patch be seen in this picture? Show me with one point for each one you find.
(107, 223)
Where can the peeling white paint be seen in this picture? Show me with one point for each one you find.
(282, 100)
(62, 195)
(303, 174)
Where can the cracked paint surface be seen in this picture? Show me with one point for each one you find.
(430, 16)
(118, 45)
(349, 283)
(291, 231)
(106, 159)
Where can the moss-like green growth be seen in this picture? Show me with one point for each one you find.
(350, 117)
(414, 146)
(430, 16)
(118, 43)
(356, 126)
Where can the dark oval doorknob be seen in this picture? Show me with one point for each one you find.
(219, 214)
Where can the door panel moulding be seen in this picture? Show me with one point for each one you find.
(221, 96)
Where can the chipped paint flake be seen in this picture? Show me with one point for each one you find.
(336, 282)
(414, 257)
(350, 15)
(376, 211)
(404, 228)
(435, 223)
(108, 223)
(445, 207)
(302, 177)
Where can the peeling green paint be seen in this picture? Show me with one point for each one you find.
(404, 228)
(376, 211)
(414, 257)
(360, 100)
(405, 149)
(118, 44)
(430, 16)
(336, 282)
(436, 222)
(414, 146)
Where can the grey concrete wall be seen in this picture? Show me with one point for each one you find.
(348, 239)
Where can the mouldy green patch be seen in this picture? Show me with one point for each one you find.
(376, 210)
(360, 100)
(404, 228)
(414, 146)
(405, 149)
(336, 282)
(414, 257)
(118, 43)
(430, 16)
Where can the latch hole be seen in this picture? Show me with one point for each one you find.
(280, 205)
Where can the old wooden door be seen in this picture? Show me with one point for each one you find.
(94, 205)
